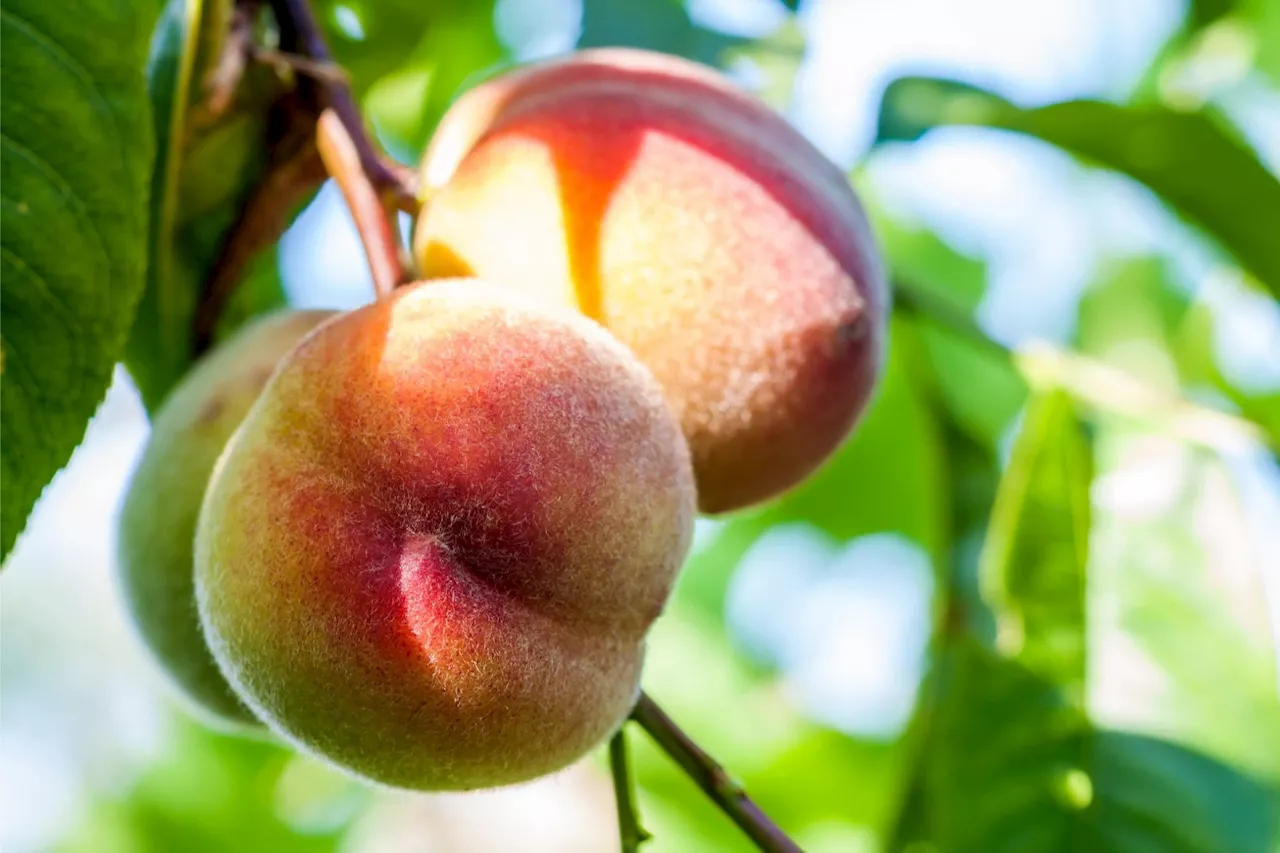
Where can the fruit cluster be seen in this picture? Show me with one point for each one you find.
(425, 539)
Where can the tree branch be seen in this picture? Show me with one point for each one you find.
(630, 832)
(396, 182)
(711, 778)
(294, 172)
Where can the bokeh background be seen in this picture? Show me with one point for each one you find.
(799, 643)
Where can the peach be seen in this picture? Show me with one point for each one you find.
(432, 552)
(158, 518)
(693, 223)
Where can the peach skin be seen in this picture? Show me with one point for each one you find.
(692, 222)
(433, 551)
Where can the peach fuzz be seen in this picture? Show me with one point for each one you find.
(433, 551)
(692, 222)
(158, 518)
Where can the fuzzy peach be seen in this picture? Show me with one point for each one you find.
(692, 222)
(158, 517)
(433, 550)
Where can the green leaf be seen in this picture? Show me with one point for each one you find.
(77, 151)
(662, 25)
(1018, 767)
(1203, 172)
(456, 45)
(1016, 758)
(206, 168)
(976, 385)
(1033, 564)
(1129, 317)
(775, 61)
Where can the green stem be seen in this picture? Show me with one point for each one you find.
(630, 831)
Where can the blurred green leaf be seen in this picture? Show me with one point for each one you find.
(1201, 13)
(1015, 761)
(975, 384)
(408, 59)
(261, 291)
(212, 793)
(772, 63)
(1198, 168)
(1128, 319)
(206, 167)
(1262, 20)
(662, 25)
(373, 38)
(1033, 562)
(1181, 631)
(77, 151)
(1194, 351)
(455, 43)
(1017, 767)
(804, 776)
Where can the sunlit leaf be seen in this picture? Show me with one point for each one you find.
(1201, 170)
(457, 45)
(1016, 760)
(1016, 766)
(1034, 560)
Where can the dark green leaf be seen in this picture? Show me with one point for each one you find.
(1187, 158)
(1202, 13)
(662, 25)
(77, 152)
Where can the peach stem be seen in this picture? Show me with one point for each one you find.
(630, 831)
(713, 779)
(373, 221)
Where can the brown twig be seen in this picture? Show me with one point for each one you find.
(630, 832)
(396, 182)
(373, 221)
(329, 72)
(263, 218)
(711, 778)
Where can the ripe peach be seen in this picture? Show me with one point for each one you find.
(432, 552)
(693, 223)
(158, 518)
